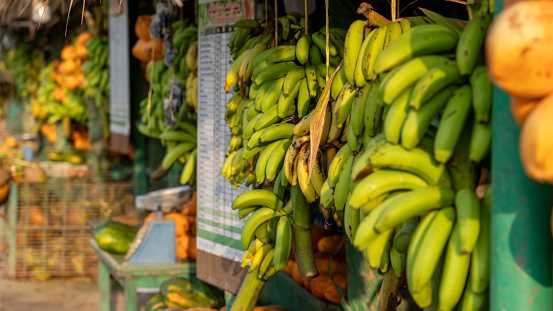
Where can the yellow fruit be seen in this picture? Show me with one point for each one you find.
(82, 52)
(536, 145)
(518, 49)
(68, 52)
(521, 107)
(82, 39)
(68, 67)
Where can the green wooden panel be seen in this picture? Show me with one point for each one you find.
(521, 259)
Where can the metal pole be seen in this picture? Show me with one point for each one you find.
(521, 262)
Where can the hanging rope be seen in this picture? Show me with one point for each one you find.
(266, 14)
(276, 24)
(306, 17)
(327, 41)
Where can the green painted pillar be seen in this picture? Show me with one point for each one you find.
(521, 262)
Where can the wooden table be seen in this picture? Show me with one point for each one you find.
(133, 277)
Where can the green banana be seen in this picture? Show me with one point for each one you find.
(342, 190)
(381, 182)
(373, 111)
(302, 50)
(414, 203)
(421, 40)
(283, 244)
(304, 99)
(455, 272)
(272, 95)
(351, 220)
(344, 103)
(337, 164)
(453, 120)
(427, 245)
(352, 47)
(416, 161)
(407, 75)
(395, 118)
(275, 160)
(285, 53)
(480, 141)
(258, 218)
(359, 76)
(392, 33)
(257, 197)
(435, 80)
(418, 121)
(468, 218)
(275, 71)
(482, 94)
(189, 168)
(403, 237)
(480, 257)
(471, 43)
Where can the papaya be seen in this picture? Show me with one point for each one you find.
(319, 232)
(59, 95)
(142, 27)
(290, 267)
(296, 274)
(322, 260)
(192, 248)
(318, 284)
(72, 82)
(82, 39)
(191, 293)
(155, 303)
(190, 206)
(114, 237)
(82, 52)
(10, 142)
(68, 53)
(330, 243)
(535, 143)
(142, 50)
(330, 292)
(182, 225)
(68, 67)
(270, 308)
(182, 246)
(521, 108)
(518, 49)
(4, 191)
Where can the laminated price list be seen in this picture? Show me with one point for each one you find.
(219, 227)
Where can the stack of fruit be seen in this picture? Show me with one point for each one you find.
(96, 72)
(403, 139)
(60, 95)
(169, 112)
(527, 78)
(186, 294)
(22, 64)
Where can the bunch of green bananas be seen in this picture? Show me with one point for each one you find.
(96, 82)
(167, 82)
(399, 115)
(275, 88)
(44, 93)
(96, 71)
(278, 86)
(406, 103)
(23, 65)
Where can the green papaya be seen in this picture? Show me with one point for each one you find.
(114, 237)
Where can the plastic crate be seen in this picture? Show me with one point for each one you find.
(45, 226)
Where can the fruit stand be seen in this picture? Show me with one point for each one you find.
(247, 156)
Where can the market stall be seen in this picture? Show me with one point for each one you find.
(250, 155)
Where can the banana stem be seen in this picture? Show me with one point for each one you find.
(301, 235)
(388, 299)
(374, 19)
(249, 292)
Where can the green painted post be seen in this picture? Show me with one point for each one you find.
(521, 257)
(104, 287)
